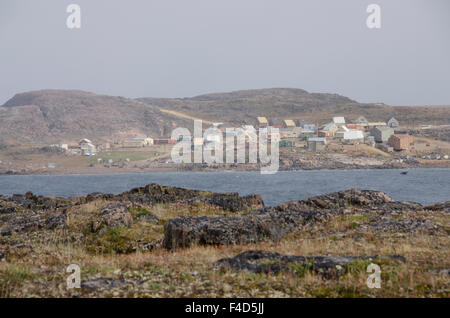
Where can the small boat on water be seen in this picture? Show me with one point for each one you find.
(404, 172)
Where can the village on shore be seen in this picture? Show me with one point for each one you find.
(303, 145)
(387, 136)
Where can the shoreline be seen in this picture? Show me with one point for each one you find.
(243, 182)
(119, 171)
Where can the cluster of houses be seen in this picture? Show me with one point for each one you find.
(87, 148)
(140, 142)
(292, 133)
(84, 147)
(379, 134)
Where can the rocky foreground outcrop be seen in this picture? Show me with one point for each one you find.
(257, 261)
(443, 206)
(274, 223)
(27, 212)
(321, 246)
(266, 224)
(229, 220)
(352, 199)
(154, 193)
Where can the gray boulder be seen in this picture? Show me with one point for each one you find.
(115, 215)
(265, 224)
(257, 261)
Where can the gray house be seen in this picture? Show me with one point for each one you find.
(361, 120)
(393, 123)
(382, 133)
(306, 125)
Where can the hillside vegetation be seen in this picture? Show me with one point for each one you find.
(244, 106)
(56, 115)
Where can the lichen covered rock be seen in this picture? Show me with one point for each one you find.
(257, 261)
(268, 223)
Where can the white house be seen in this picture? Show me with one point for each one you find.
(339, 121)
(327, 130)
(88, 149)
(354, 135)
(339, 133)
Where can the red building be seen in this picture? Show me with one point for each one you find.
(356, 126)
(401, 141)
(325, 133)
(165, 141)
(276, 123)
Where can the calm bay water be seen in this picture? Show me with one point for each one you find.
(420, 185)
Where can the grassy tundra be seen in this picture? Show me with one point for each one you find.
(122, 253)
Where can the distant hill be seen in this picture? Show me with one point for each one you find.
(61, 115)
(50, 116)
(244, 106)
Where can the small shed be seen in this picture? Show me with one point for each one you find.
(288, 123)
(316, 143)
(262, 122)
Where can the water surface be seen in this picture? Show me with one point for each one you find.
(425, 186)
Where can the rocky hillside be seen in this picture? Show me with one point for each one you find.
(62, 115)
(50, 116)
(244, 106)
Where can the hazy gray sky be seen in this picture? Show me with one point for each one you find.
(178, 48)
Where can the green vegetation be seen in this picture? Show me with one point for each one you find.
(301, 269)
(357, 267)
(138, 211)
